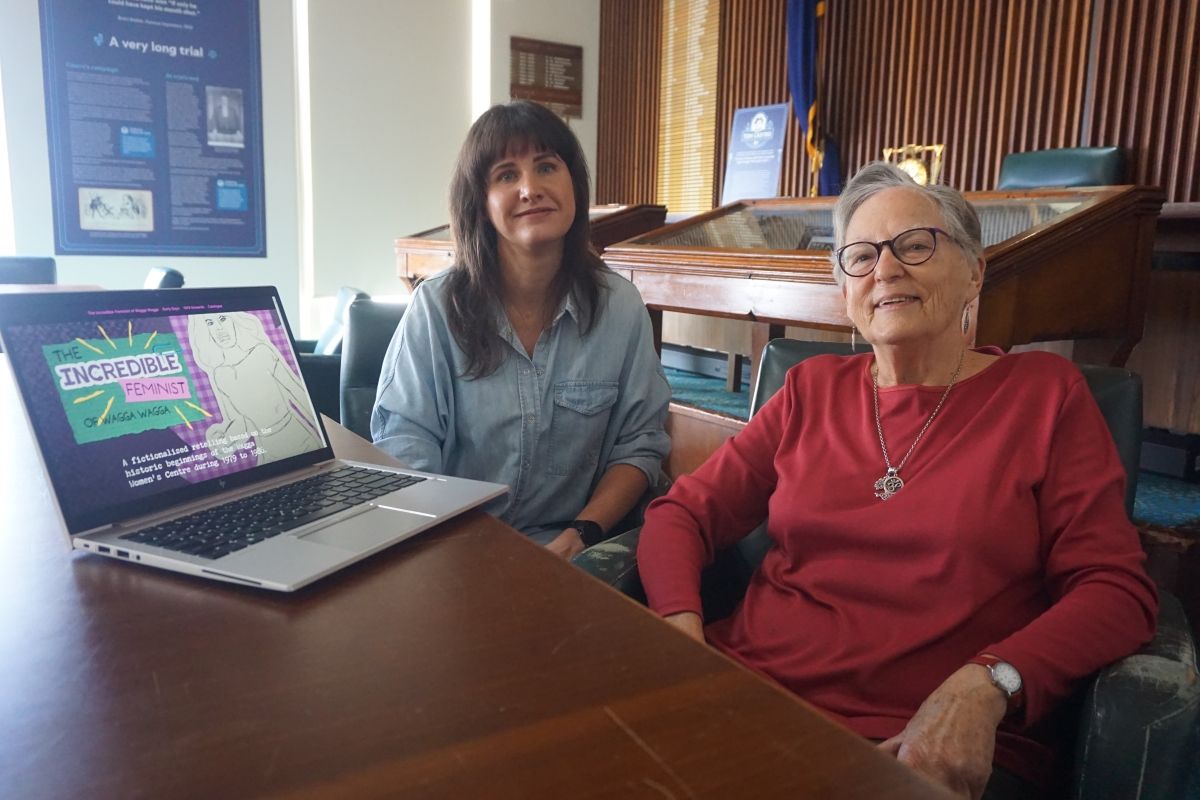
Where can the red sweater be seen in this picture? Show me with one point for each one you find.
(1009, 537)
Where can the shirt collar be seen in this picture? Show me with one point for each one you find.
(505, 329)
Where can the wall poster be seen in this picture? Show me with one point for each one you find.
(755, 153)
(154, 118)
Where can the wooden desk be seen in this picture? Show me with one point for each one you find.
(1062, 264)
(429, 252)
(465, 663)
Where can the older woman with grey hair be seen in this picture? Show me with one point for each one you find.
(950, 551)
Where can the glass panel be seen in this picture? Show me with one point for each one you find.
(810, 227)
(441, 234)
(758, 228)
(1004, 219)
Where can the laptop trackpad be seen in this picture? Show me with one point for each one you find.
(369, 530)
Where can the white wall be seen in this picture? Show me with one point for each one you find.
(21, 71)
(390, 104)
(390, 89)
(575, 22)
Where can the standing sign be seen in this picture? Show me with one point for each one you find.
(548, 73)
(154, 115)
(755, 153)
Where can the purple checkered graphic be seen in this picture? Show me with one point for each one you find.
(206, 396)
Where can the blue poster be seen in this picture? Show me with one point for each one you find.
(154, 116)
(755, 153)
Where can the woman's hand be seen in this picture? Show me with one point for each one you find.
(567, 544)
(952, 737)
(689, 622)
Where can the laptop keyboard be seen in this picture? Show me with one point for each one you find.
(219, 531)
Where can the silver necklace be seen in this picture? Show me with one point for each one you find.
(891, 482)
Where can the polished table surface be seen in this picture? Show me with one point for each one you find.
(464, 663)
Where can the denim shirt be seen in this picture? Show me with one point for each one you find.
(549, 426)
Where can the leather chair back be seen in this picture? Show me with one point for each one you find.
(369, 329)
(330, 339)
(779, 356)
(1068, 166)
(163, 278)
(20, 269)
(1118, 392)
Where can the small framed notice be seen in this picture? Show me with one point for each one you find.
(548, 73)
(755, 153)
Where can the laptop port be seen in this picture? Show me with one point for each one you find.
(103, 549)
(122, 554)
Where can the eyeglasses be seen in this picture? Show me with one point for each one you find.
(912, 247)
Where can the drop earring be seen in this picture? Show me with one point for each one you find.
(966, 320)
(853, 339)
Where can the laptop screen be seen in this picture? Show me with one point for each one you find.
(144, 400)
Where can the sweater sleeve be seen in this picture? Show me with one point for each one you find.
(1103, 604)
(712, 508)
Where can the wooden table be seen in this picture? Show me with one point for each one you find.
(465, 663)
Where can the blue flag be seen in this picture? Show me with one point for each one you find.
(803, 17)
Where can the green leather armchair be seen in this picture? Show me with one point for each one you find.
(1068, 166)
(321, 358)
(1138, 724)
(369, 329)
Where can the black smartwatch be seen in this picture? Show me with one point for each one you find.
(589, 531)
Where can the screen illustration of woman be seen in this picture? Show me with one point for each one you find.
(258, 394)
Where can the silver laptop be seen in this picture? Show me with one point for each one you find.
(176, 432)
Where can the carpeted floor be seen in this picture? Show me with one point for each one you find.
(1161, 502)
(708, 393)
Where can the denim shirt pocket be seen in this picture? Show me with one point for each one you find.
(581, 413)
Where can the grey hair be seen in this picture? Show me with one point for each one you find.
(962, 223)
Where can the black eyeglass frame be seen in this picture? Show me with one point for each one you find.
(889, 243)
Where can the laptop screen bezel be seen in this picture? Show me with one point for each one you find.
(35, 308)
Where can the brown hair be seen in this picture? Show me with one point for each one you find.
(475, 278)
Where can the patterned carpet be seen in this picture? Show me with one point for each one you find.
(1162, 504)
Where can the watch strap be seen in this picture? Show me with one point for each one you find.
(590, 532)
(1015, 700)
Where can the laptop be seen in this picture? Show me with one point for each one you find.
(176, 431)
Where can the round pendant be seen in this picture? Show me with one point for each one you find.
(888, 485)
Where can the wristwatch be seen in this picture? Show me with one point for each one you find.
(1005, 677)
(589, 531)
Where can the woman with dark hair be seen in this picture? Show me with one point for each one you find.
(529, 362)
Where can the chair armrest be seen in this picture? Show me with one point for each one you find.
(322, 375)
(1138, 726)
(614, 561)
(637, 514)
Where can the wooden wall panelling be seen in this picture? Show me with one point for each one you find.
(1168, 359)
(984, 79)
(752, 71)
(626, 166)
(1146, 91)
